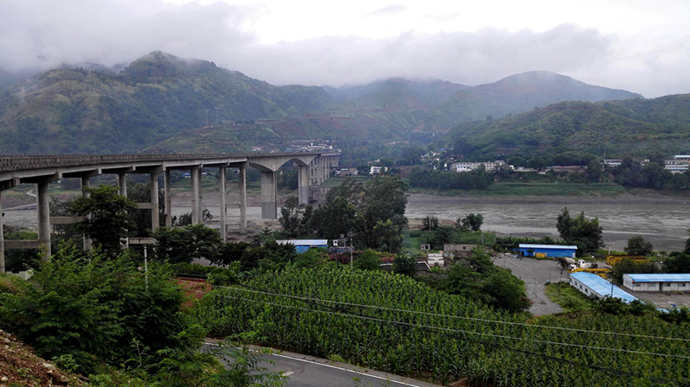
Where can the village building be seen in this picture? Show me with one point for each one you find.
(657, 282)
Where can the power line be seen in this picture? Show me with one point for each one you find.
(493, 335)
(310, 299)
(450, 332)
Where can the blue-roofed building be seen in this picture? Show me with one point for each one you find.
(542, 251)
(302, 245)
(594, 286)
(657, 282)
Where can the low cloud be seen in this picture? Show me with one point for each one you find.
(387, 11)
(37, 34)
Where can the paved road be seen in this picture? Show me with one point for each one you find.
(535, 273)
(307, 371)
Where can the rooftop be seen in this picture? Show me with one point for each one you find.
(659, 277)
(303, 242)
(561, 247)
(602, 287)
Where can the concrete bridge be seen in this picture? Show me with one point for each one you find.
(313, 169)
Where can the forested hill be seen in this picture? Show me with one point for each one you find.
(82, 111)
(167, 104)
(395, 94)
(631, 127)
(516, 94)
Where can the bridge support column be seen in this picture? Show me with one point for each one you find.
(223, 205)
(43, 206)
(2, 239)
(155, 206)
(242, 181)
(168, 199)
(86, 183)
(196, 195)
(303, 184)
(269, 193)
(122, 183)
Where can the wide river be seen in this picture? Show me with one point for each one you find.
(662, 220)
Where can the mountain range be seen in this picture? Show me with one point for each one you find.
(639, 127)
(161, 103)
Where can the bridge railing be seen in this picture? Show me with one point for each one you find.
(23, 162)
(13, 163)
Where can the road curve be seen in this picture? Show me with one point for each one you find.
(307, 371)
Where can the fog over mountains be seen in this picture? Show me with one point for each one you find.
(167, 104)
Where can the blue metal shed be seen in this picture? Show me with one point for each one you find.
(528, 250)
(593, 285)
(302, 245)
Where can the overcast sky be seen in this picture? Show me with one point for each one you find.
(640, 46)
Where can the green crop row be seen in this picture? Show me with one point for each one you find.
(395, 324)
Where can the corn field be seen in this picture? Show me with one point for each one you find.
(394, 324)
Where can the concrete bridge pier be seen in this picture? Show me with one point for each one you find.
(43, 206)
(196, 195)
(303, 184)
(86, 183)
(269, 194)
(242, 182)
(155, 205)
(122, 183)
(168, 198)
(223, 205)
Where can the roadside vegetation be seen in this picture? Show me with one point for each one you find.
(568, 298)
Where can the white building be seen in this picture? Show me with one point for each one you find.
(472, 165)
(435, 259)
(657, 282)
(376, 170)
(679, 164)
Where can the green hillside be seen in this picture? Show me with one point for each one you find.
(167, 104)
(80, 111)
(517, 94)
(632, 127)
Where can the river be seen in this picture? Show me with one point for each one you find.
(663, 221)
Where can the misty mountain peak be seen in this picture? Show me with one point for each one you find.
(159, 64)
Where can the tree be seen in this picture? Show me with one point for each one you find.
(368, 260)
(678, 263)
(335, 218)
(290, 218)
(357, 208)
(141, 193)
(586, 234)
(637, 246)
(93, 306)
(477, 278)
(388, 237)
(472, 222)
(405, 264)
(430, 223)
(385, 200)
(507, 291)
(108, 217)
(186, 244)
(594, 171)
